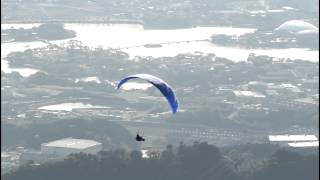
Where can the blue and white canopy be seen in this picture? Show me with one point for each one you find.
(164, 88)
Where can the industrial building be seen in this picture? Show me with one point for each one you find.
(296, 140)
(60, 149)
(64, 147)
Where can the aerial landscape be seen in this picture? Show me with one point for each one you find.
(216, 89)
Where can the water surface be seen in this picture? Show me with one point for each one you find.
(128, 36)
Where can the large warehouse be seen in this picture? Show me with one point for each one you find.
(64, 147)
(60, 149)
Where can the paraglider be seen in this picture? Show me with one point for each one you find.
(139, 138)
(164, 88)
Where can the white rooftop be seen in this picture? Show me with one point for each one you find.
(305, 144)
(144, 154)
(296, 26)
(293, 138)
(248, 93)
(89, 79)
(307, 101)
(72, 143)
(286, 85)
(69, 106)
(257, 83)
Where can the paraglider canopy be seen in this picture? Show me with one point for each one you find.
(164, 88)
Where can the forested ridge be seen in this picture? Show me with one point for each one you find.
(199, 161)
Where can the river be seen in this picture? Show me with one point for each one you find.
(128, 35)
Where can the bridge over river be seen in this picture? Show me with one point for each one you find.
(156, 45)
